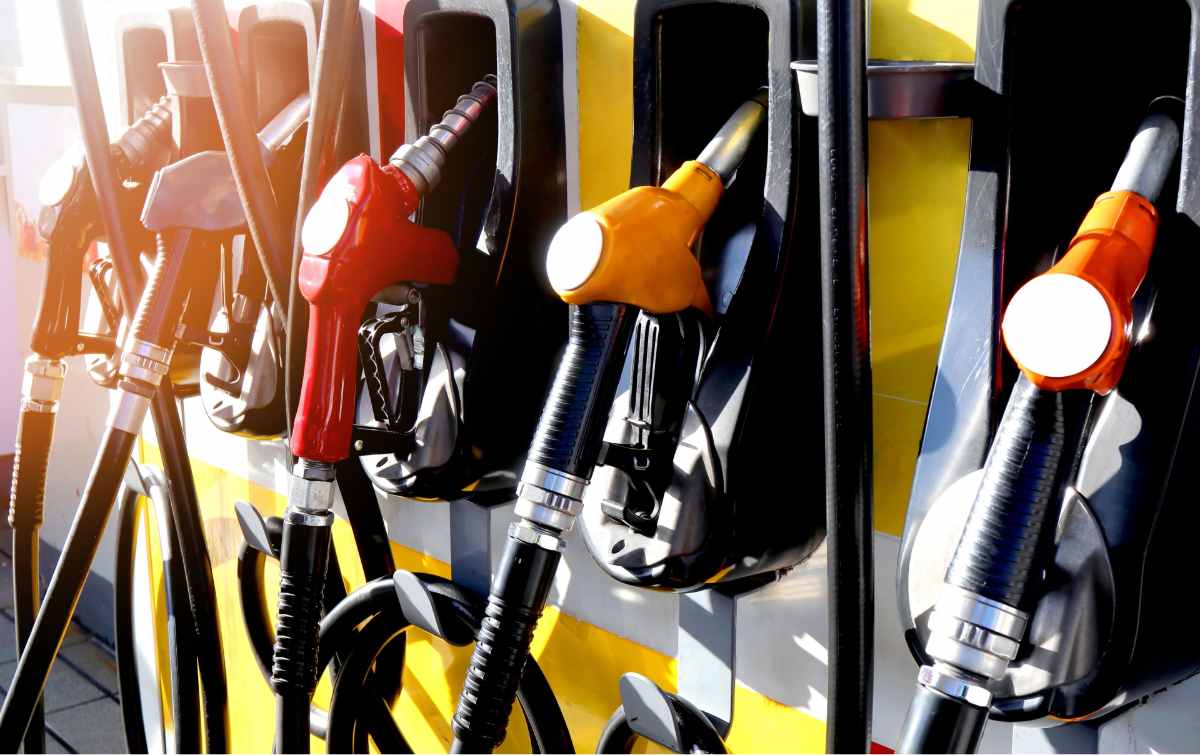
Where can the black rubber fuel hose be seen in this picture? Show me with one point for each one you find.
(575, 414)
(997, 552)
(517, 598)
(937, 723)
(845, 308)
(162, 301)
(54, 618)
(35, 434)
(304, 557)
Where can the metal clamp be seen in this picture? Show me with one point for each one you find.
(546, 507)
(312, 488)
(902, 89)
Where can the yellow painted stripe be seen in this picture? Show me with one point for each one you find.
(605, 54)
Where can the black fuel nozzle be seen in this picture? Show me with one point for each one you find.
(70, 222)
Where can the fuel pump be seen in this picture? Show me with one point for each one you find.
(1071, 331)
(188, 233)
(363, 210)
(631, 253)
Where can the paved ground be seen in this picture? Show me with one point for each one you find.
(83, 711)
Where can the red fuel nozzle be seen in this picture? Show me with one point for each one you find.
(357, 239)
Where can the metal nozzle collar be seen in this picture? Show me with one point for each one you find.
(533, 534)
(310, 496)
(725, 151)
(307, 469)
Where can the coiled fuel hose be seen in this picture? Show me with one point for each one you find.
(1068, 329)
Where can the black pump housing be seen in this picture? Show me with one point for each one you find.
(691, 489)
(1048, 137)
(242, 380)
(502, 196)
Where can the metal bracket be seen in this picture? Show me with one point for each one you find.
(471, 545)
(902, 89)
(707, 657)
(141, 477)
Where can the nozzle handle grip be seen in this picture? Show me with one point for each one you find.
(325, 416)
(573, 418)
(56, 327)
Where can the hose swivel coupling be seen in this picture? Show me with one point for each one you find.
(972, 639)
(310, 496)
(43, 384)
(548, 498)
(423, 160)
(145, 362)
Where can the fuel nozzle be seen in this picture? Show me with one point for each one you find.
(70, 221)
(1072, 326)
(357, 240)
(633, 251)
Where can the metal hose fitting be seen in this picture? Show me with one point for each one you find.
(146, 145)
(423, 160)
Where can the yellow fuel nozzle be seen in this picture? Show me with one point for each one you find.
(636, 248)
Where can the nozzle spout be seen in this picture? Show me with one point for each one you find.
(422, 161)
(728, 148)
(1152, 151)
(280, 129)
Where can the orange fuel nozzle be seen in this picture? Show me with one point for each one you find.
(1072, 327)
(636, 248)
